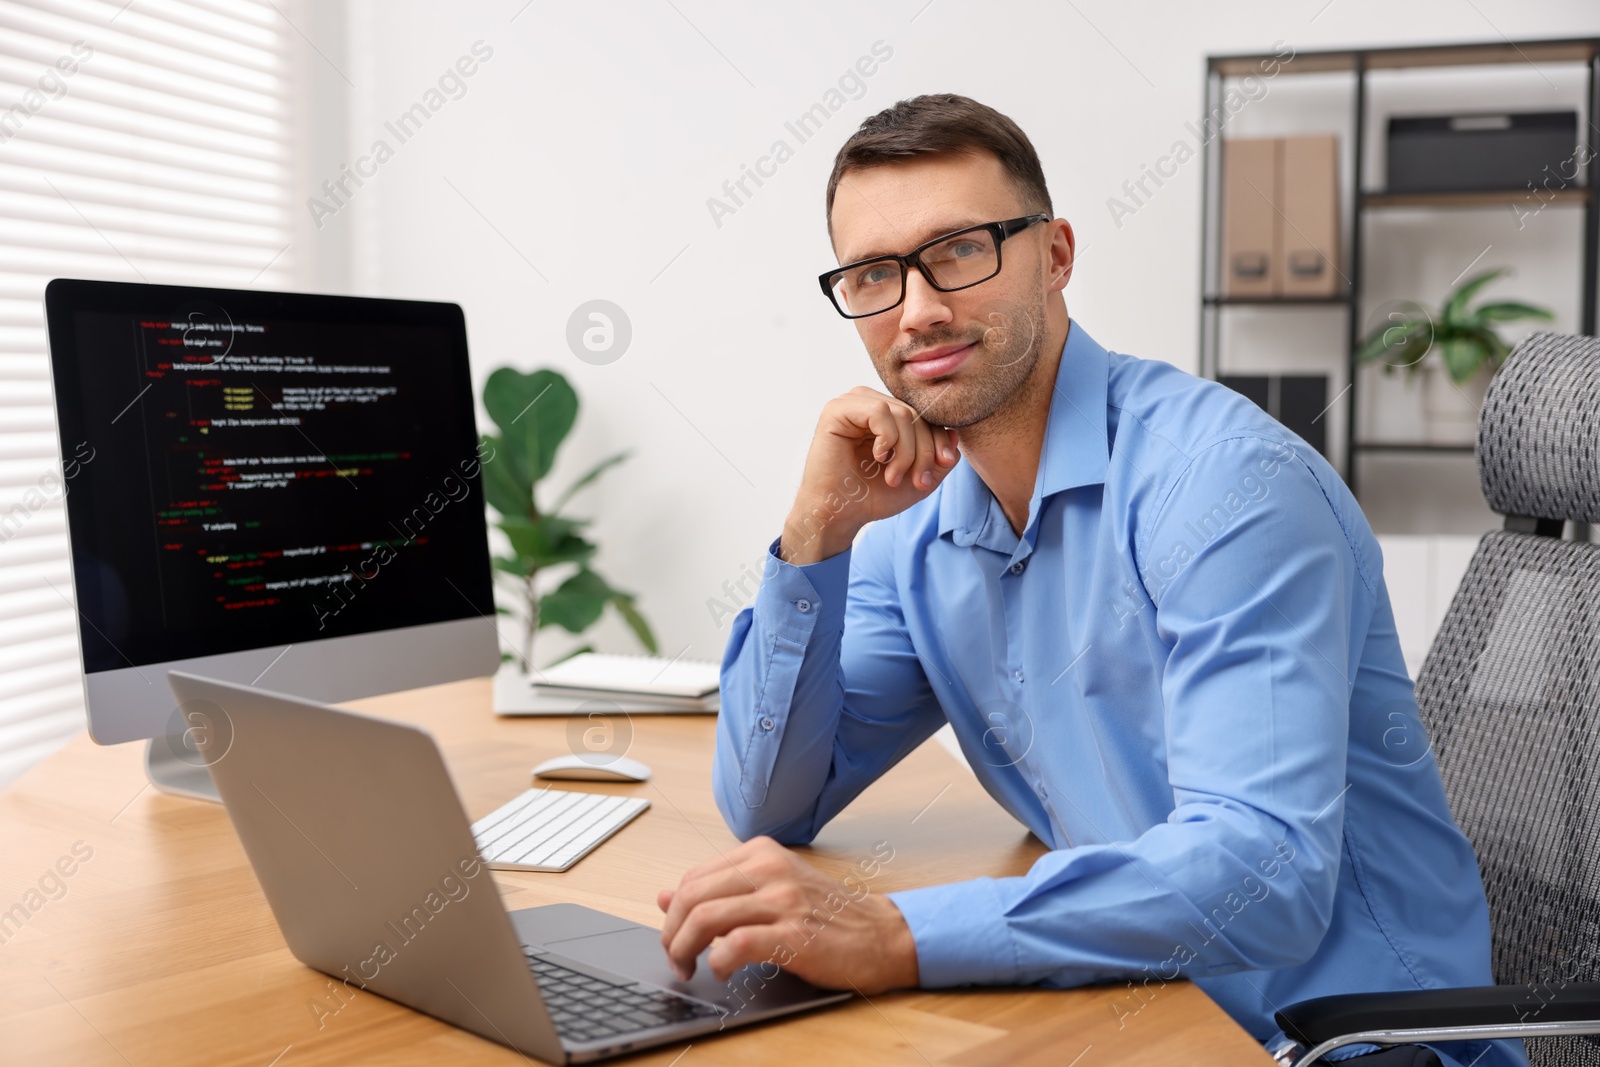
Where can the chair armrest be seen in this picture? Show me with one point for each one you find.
(1312, 1022)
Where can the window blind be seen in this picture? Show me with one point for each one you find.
(147, 141)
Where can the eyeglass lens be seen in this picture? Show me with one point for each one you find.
(954, 263)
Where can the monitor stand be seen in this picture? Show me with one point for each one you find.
(174, 774)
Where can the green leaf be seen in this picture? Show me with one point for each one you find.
(576, 603)
(1511, 311)
(535, 412)
(511, 565)
(503, 488)
(1464, 357)
(547, 540)
(1400, 332)
(580, 650)
(1411, 356)
(1403, 353)
(1455, 307)
(623, 602)
(593, 473)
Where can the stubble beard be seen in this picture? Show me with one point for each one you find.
(1009, 340)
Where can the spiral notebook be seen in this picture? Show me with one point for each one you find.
(630, 683)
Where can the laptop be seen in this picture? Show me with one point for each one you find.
(368, 862)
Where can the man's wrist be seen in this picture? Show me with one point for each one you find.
(801, 545)
(900, 949)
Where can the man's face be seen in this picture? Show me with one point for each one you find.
(957, 358)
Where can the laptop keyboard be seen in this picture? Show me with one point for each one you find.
(551, 829)
(586, 1008)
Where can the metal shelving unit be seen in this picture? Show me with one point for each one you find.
(1356, 202)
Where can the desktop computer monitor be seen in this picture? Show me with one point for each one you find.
(268, 488)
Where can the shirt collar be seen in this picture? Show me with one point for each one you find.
(1076, 450)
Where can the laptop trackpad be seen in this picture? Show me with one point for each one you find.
(637, 953)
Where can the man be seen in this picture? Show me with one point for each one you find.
(1154, 618)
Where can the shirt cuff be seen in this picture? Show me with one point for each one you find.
(803, 602)
(961, 934)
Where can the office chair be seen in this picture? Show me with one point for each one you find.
(1510, 695)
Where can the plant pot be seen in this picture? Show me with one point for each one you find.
(1449, 408)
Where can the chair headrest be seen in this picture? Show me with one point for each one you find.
(1539, 430)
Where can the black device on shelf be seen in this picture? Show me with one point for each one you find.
(1451, 153)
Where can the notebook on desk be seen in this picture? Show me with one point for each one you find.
(635, 684)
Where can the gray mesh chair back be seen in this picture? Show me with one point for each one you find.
(1510, 690)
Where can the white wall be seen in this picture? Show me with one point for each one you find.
(585, 150)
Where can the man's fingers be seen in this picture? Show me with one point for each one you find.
(905, 444)
(903, 465)
(730, 882)
(924, 474)
(712, 919)
(885, 429)
(747, 944)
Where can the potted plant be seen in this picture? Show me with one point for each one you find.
(1469, 350)
(534, 413)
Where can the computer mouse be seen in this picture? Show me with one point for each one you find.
(593, 767)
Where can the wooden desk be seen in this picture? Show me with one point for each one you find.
(160, 949)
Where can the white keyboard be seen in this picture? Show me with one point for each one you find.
(551, 829)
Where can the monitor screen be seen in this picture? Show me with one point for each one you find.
(251, 470)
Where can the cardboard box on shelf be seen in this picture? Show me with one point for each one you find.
(1280, 217)
(1251, 238)
(1309, 199)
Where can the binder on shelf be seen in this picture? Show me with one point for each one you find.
(1297, 400)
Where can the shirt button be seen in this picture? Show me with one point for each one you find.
(1018, 676)
(767, 723)
(1044, 794)
(1016, 568)
(803, 605)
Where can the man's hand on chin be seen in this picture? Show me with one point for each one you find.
(760, 903)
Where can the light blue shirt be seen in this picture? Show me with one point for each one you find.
(1183, 677)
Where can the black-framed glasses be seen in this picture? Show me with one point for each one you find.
(955, 261)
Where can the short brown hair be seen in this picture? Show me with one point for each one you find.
(939, 124)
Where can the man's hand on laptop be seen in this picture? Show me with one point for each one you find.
(761, 903)
(872, 456)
